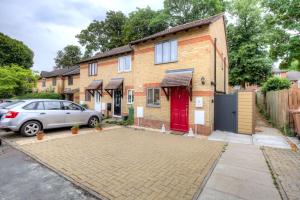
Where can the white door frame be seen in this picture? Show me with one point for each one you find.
(113, 105)
(97, 104)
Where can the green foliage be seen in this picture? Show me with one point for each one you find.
(103, 35)
(144, 22)
(40, 95)
(275, 83)
(248, 55)
(68, 57)
(15, 80)
(14, 52)
(183, 11)
(283, 22)
(84, 105)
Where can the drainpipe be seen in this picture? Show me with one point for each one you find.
(215, 65)
(224, 75)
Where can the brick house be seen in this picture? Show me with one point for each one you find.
(63, 81)
(167, 76)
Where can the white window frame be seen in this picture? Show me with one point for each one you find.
(130, 97)
(93, 69)
(172, 58)
(120, 60)
(152, 104)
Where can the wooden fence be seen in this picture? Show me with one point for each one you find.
(278, 105)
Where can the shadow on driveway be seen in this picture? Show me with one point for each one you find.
(23, 178)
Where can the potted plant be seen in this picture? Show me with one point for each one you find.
(98, 126)
(40, 135)
(75, 129)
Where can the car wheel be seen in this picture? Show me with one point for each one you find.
(31, 128)
(93, 121)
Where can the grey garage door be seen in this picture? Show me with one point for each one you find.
(225, 112)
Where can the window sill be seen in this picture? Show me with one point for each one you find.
(166, 63)
(120, 72)
(152, 106)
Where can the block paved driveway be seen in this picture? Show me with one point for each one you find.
(131, 164)
(286, 166)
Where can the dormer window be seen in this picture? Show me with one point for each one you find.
(124, 64)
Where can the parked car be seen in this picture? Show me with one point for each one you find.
(7, 104)
(31, 116)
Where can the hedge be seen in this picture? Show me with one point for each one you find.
(275, 83)
(41, 95)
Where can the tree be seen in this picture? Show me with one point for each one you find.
(14, 52)
(68, 57)
(15, 80)
(248, 55)
(103, 35)
(276, 83)
(183, 11)
(144, 22)
(283, 20)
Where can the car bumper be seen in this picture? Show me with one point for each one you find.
(5, 124)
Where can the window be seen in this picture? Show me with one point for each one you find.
(34, 106)
(87, 96)
(130, 96)
(124, 64)
(54, 81)
(70, 80)
(52, 105)
(153, 97)
(166, 52)
(71, 106)
(43, 82)
(93, 69)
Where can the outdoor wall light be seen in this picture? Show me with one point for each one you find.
(203, 80)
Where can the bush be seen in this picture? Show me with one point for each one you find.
(41, 95)
(276, 83)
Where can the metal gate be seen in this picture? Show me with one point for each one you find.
(225, 118)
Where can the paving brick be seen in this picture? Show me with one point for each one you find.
(131, 164)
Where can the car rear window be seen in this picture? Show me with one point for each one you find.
(52, 105)
(13, 104)
(34, 106)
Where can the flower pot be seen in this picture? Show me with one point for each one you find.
(98, 128)
(74, 130)
(40, 135)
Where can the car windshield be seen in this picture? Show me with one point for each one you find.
(11, 104)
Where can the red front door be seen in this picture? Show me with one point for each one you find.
(179, 109)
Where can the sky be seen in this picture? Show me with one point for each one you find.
(47, 26)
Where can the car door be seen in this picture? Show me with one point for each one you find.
(55, 115)
(74, 113)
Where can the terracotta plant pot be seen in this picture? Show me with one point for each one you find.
(98, 128)
(40, 135)
(74, 130)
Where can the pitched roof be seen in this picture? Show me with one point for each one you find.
(61, 72)
(293, 75)
(112, 52)
(127, 48)
(182, 27)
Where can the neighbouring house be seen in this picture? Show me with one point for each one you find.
(279, 73)
(294, 77)
(170, 78)
(63, 81)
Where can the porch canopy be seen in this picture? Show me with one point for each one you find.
(70, 91)
(114, 84)
(95, 86)
(177, 78)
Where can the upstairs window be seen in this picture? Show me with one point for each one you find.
(124, 64)
(93, 69)
(166, 52)
(43, 82)
(54, 81)
(70, 80)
